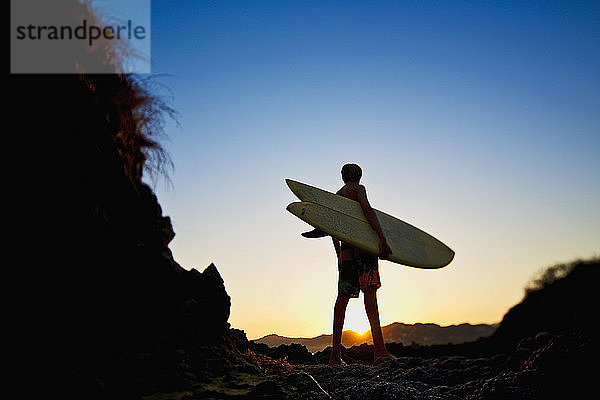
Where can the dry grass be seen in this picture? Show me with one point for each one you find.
(267, 364)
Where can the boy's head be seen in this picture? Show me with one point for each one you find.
(351, 173)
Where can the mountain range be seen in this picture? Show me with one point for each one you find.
(397, 332)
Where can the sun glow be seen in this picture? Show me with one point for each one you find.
(356, 317)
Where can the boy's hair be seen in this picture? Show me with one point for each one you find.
(351, 173)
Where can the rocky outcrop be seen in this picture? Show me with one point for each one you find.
(544, 366)
(103, 310)
(562, 304)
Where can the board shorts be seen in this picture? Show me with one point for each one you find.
(358, 274)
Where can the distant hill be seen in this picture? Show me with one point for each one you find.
(423, 334)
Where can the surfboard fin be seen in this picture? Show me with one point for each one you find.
(315, 233)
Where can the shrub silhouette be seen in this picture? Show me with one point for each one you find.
(559, 300)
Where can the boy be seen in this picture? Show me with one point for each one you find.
(358, 270)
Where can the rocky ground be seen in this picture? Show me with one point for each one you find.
(542, 367)
(538, 368)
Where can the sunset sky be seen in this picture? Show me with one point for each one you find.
(476, 121)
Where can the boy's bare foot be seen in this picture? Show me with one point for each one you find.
(337, 362)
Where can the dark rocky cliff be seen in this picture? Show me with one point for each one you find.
(107, 306)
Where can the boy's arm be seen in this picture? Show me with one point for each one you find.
(336, 245)
(384, 248)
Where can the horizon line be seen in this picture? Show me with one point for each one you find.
(385, 326)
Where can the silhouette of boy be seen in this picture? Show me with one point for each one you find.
(358, 270)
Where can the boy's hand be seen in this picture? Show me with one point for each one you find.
(384, 249)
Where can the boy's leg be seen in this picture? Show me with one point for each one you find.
(373, 314)
(339, 313)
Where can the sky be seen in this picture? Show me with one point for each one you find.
(476, 121)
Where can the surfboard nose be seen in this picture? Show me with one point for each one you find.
(450, 257)
(296, 208)
(292, 207)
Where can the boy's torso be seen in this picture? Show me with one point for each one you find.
(349, 190)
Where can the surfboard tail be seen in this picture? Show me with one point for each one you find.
(296, 188)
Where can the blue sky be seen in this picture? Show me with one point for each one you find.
(476, 121)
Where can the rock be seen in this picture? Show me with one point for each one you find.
(541, 338)
(267, 390)
(526, 342)
(208, 303)
(295, 353)
(362, 353)
(516, 359)
(238, 340)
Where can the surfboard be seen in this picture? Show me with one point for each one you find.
(344, 219)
